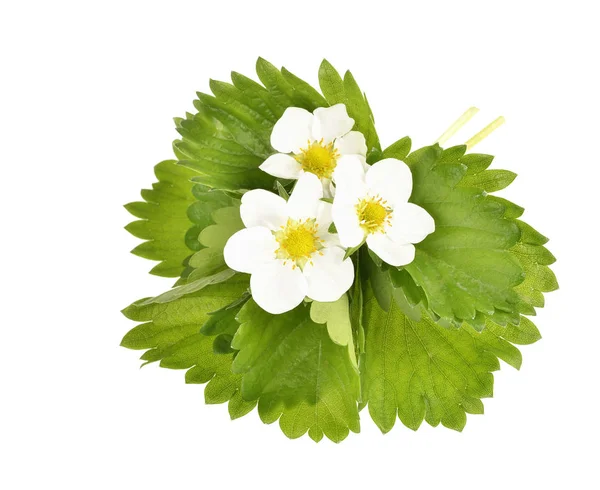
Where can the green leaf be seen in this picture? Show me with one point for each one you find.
(171, 335)
(331, 84)
(208, 201)
(337, 317)
(465, 266)
(453, 154)
(224, 319)
(247, 127)
(419, 370)
(287, 89)
(209, 260)
(222, 344)
(401, 279)
(299, 375)
(380, 282)
(356, 310)
(359, 110)
(210, 149)
(535, 259)
(163, 222)
(476, 162)
(399, 150)
(281, 190)
(346, 91)
(350, 251)
(309, 97)
(190, 287)
(511, 210)
(229, 137)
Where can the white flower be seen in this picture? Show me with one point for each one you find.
(287, 248)
(374, 205)
(317, 143)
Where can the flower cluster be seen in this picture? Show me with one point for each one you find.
(290, 248)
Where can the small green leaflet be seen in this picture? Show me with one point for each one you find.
(336, 315)
(399, 150)
(209, 260)
(163, 222)
(301, 377)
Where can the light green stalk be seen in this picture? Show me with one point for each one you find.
(459, 123)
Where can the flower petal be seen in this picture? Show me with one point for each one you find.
(282, 166)
(391, 179)
(278, 288)
(353, 143)
(391, 252)
(330, 239)
(347, 224)
(349, 174)
(324, 218)
(250, 249)
(305, 198)
(263, 208)
(292, 131)
(329, 276)
(331, 122)
(410, 223)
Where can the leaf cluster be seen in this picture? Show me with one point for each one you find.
(418, 342)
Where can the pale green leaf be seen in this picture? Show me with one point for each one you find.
(163, 222)
(209, 260)
(337, 317)
(171, 335)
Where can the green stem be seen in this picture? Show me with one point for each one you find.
(459, 123)
(485, 132)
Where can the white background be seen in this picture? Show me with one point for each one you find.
(88, 92)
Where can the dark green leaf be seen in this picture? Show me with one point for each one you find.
(419, 370)
(300, 376)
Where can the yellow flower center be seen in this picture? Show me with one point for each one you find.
(298, 240)
(318, 158)
(373, 214)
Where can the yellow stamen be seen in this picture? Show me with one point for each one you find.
(318, 158)
(298, 240)
(374, 214)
